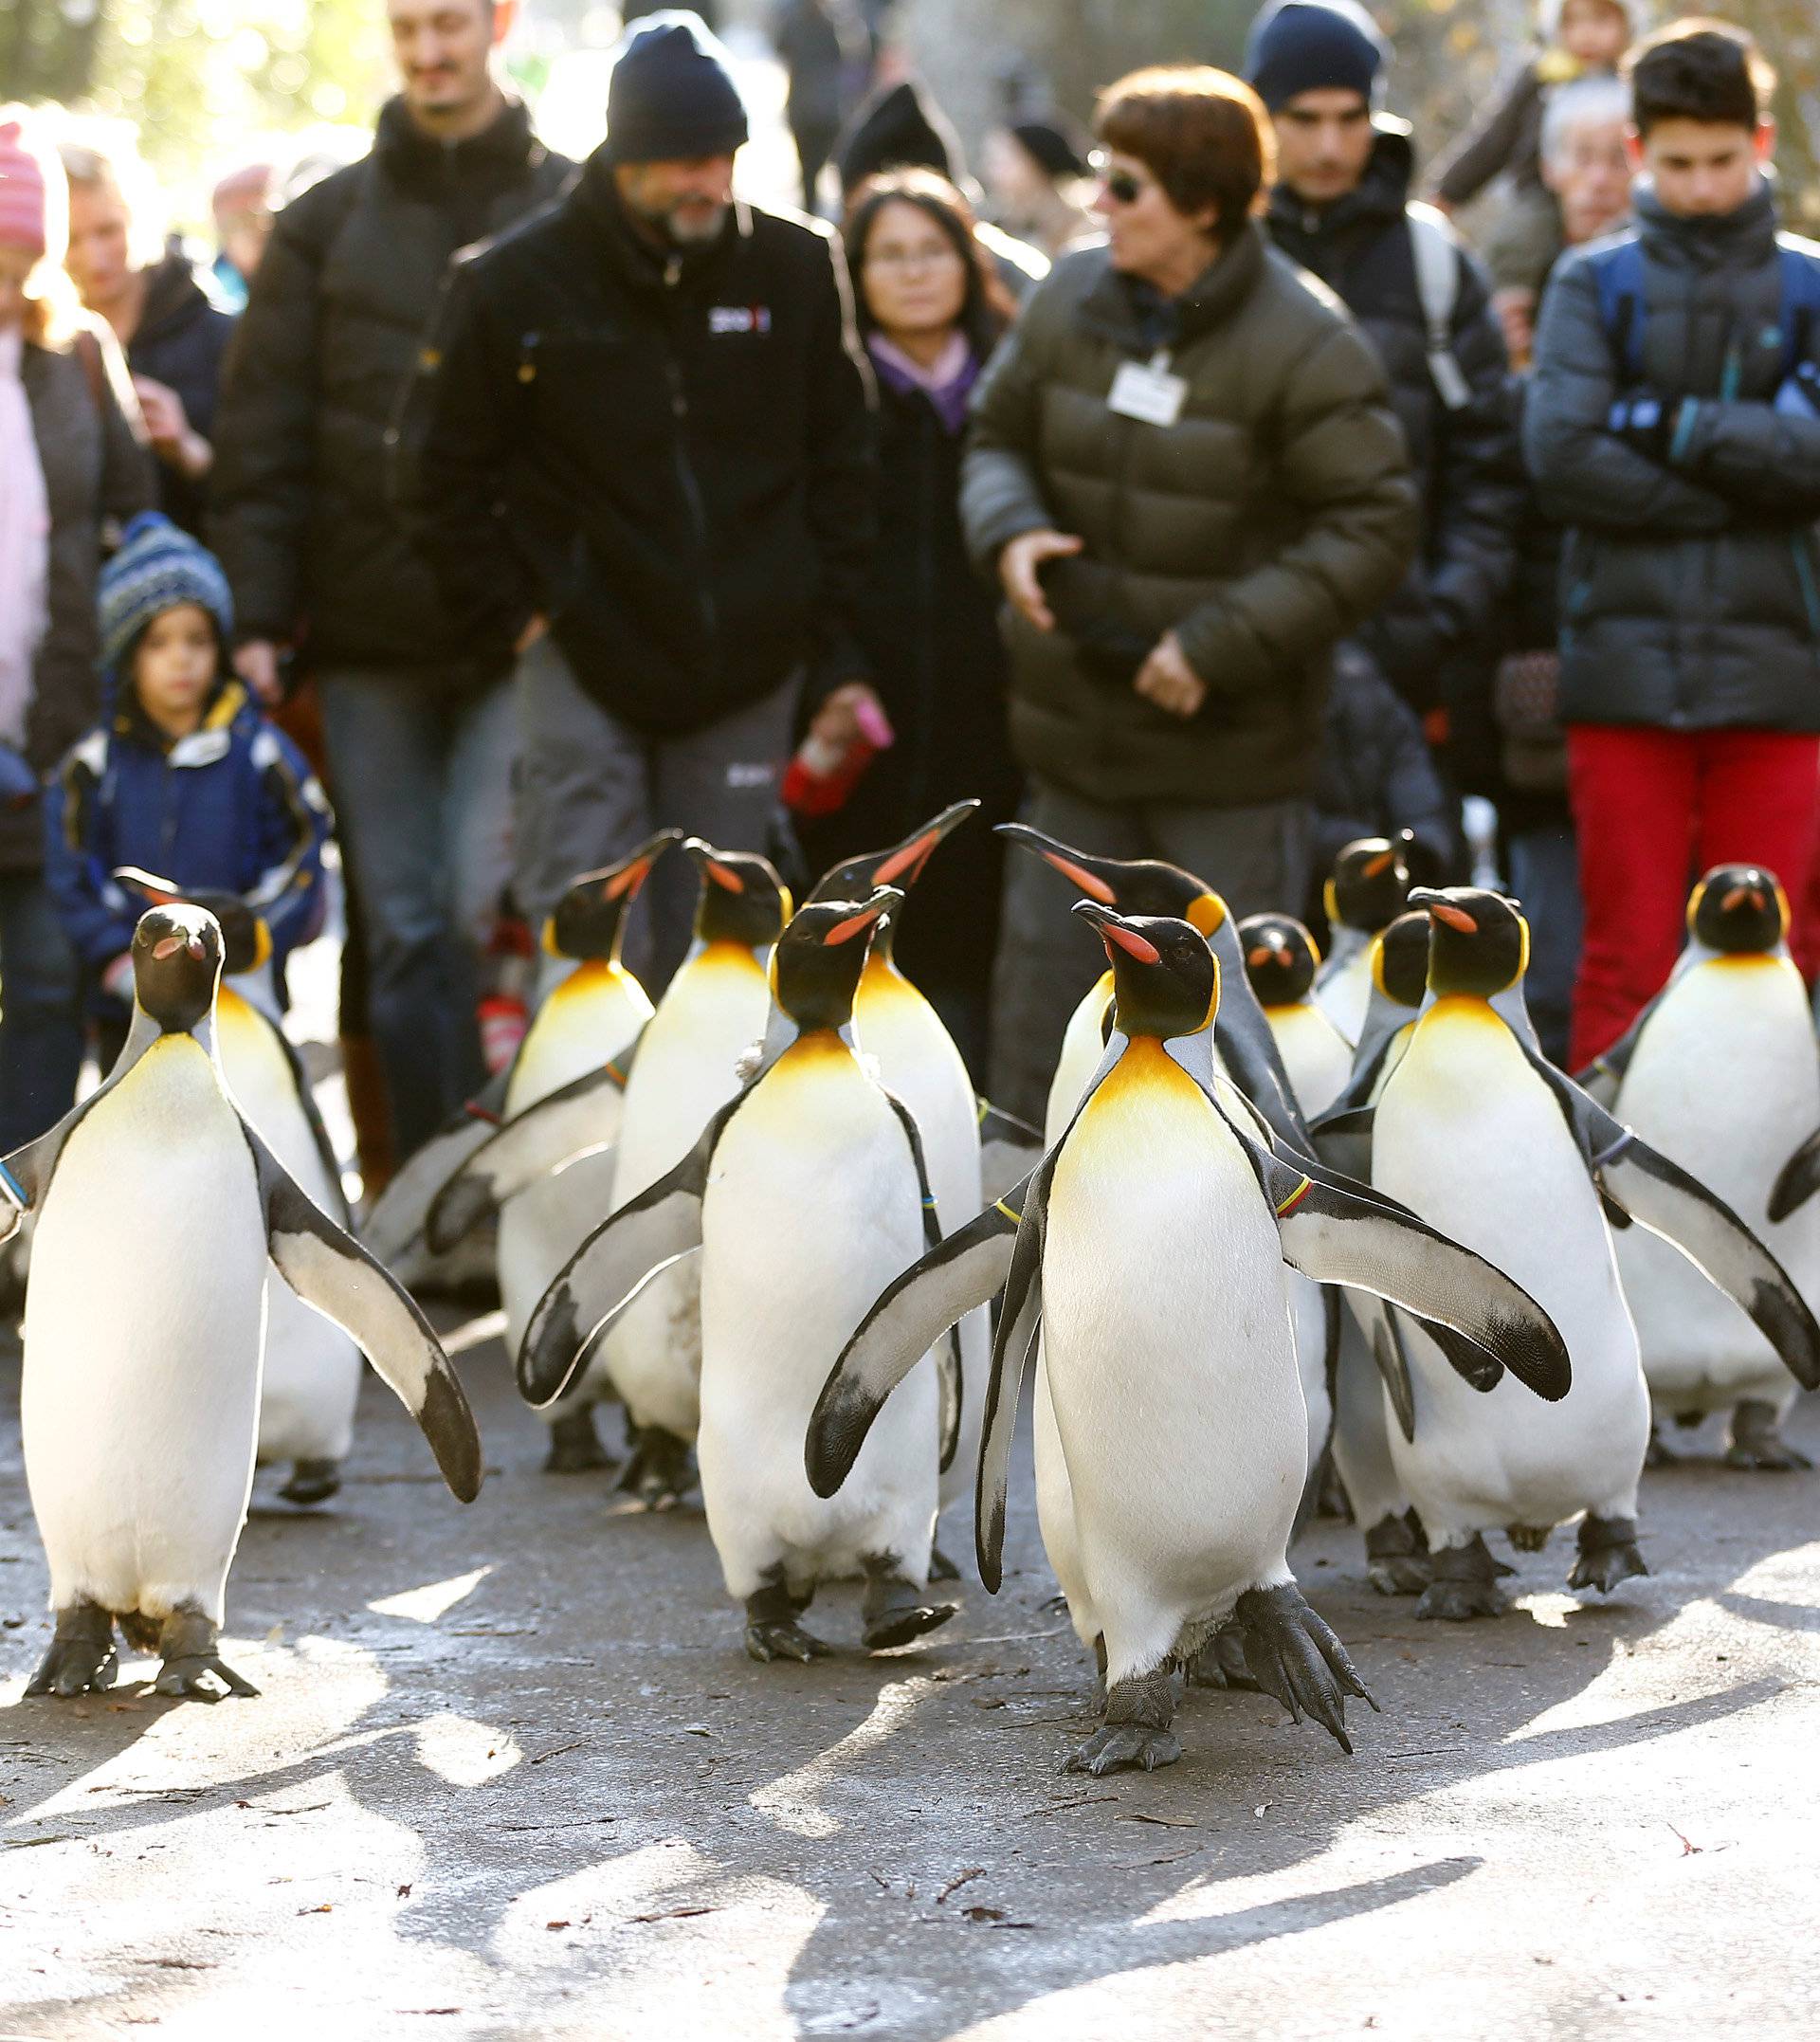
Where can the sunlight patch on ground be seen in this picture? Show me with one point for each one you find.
(794, 1801)
(435, 1599)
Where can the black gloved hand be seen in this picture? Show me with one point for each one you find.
(1645, 422)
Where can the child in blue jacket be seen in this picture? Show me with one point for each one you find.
(183, 776)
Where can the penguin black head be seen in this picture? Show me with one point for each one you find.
(1281, 958)
(820, 956)
(1371, 883)
(1738, 910)
(590, 921)
(1166, 980)
(900, 867)
(177, 965)
(1127, 885)
(742, 899)
(246, 941)
(1478, 941)
(1400, 960)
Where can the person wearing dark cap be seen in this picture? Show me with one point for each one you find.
(1034, 171)
(1341, 208)
(901, 127)
(645, 466)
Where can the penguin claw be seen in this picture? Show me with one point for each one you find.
(1758, 1442)
(1221, 1661)
(1608, 1554)
(766, 1642)
(201, 1677)
(660, 1471)
(312, 1481)
(575, 1446)
(75, 1669)
(1117, 1746)
(1396, 1561)
(1464, 1583)
(897, 1627)
(1295, 1657)
(1781, 1459)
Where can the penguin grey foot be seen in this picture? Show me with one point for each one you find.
(1099, 1674)
(575, 1446)
(940, 1567)
(1135, 1733)
(661, 1470)
(1528, 1538)
(772, 1630)
(192, 1668)
(895, 1611)
(1396, 1560)
(1295, 1657)
(1658, 1453)
(81, 1659)
(1464, 1583)
(1608, 1554)
(1221, 1661)
(1756, 1441)
(312, 1481)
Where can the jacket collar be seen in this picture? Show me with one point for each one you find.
(1380, 195)
(1722, 241)
(176, 289)
(1141, 319)
(203, 745)
(596, 202)
(500, 153)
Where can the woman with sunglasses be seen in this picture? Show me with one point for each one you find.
(1186, 475)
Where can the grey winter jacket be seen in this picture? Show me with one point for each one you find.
(1261, 527)
(97, 475)
(1690, 585)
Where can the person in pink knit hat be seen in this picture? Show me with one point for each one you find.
(71, 468)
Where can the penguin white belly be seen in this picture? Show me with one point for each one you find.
(1171, 1363)
(312, 1376)
(1472, 1139)
(1724, 1082)
(918, 1061)
(588, 1019)
(1343, 990)
(1316, 1057)
(687, 1069)
(141, 1396)
(811, 1209)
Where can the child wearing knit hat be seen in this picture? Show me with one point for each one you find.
(183, 776)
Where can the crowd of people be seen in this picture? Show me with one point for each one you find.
(1195, 493)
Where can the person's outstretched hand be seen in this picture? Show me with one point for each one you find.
(1018, 567)
(256, 663)
(1169, 680)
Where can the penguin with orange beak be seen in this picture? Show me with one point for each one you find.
(1281, 961)
(1365, 894)
(1477, 1132)
(1734, 1002)
(1149, 1248)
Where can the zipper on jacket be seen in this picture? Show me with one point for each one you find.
(686, 477)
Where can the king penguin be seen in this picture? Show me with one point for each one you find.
(1717, 1073)
(1281, 961)
(1366, 893)
(1484, 1138)
(311, 1382)
(1149, 1247)
(159, 1209)
(803, 1197)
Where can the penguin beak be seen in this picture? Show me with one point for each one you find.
(1376, 868)
(1114, 930)
(1447, 912)
(868, 917)
(1073, 866)
(160, 892)
(624, 883)
(905, 865)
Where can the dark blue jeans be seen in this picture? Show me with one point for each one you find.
(41, 1016)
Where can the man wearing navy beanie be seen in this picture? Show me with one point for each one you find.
(645, 463)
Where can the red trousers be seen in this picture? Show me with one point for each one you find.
(1655, 809)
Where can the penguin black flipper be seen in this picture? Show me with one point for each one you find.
(949, 1368)
(1661, 1195)
(551, 1133)
(334, 1275)
(312, 1119)
(960, 1274)
(610, 1268)
(1020, 1326)
(1342, 1138)
(400, 1213)
(1798, 1180)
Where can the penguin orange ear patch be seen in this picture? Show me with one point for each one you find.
(1095, 889)
(1132, 943)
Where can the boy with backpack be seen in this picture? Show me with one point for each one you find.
(1673, 424)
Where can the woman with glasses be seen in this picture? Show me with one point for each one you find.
(929, 308)
(1186, 475)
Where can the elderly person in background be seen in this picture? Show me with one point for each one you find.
(166, 311)
(1186, 474)
(69, 464)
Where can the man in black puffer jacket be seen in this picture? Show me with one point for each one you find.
(645, 463)
(417, 717)
(1342, 209)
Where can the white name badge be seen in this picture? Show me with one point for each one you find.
(1147, 391)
